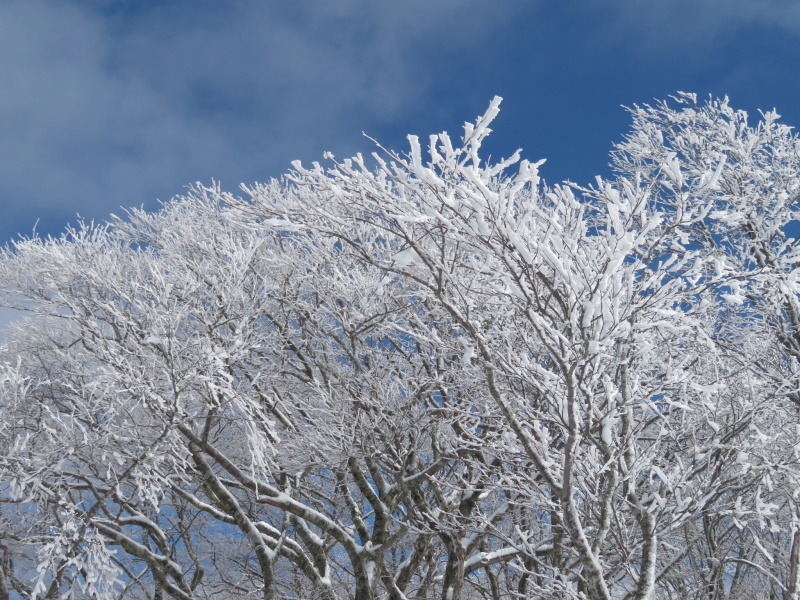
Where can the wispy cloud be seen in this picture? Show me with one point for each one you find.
(109, 103)
(679, 28)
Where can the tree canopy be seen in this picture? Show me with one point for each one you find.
(420, 375)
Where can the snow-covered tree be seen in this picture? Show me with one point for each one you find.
(422, 376)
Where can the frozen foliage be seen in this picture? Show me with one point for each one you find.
(429, 376)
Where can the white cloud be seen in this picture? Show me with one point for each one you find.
(101, 107)
(676, 28)
(73, 130)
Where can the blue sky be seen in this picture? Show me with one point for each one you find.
(114, 103)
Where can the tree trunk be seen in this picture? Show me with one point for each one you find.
(793, 585)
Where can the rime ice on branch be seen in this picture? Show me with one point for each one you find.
(420, 375)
